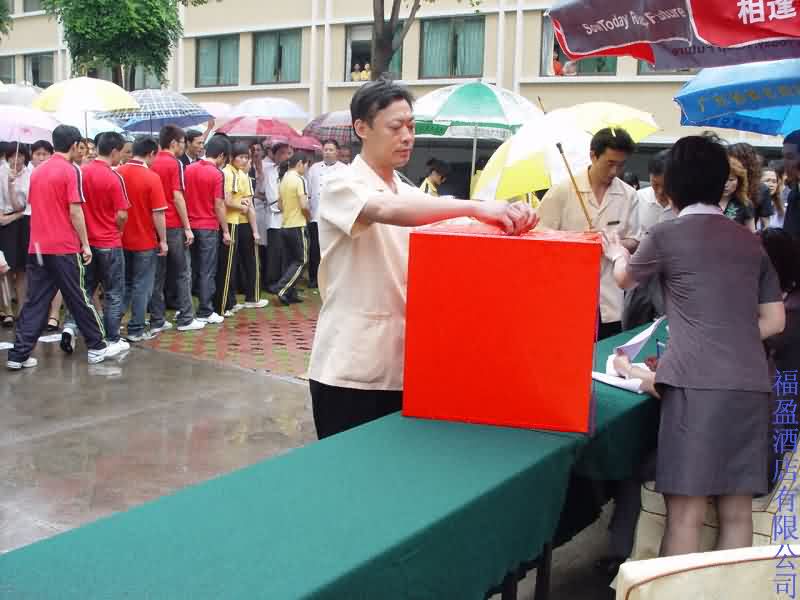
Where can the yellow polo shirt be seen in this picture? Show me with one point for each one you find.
(239, 186)
(560, 210)
(292, 187)
(429, 187)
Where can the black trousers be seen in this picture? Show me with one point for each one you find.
(338, 409)
(240, 256)
(63, 273)
(295, 247)
(275, 259)
(314, 253)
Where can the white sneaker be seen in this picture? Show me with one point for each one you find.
(193, 326)
(165, 327)
(238, 307)
(228, 314)
(122, 344)
(145, 336)
(260, 304)
(27, 364)
(213, 319)
(68, 340)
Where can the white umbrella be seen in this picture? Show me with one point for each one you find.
(87, 122)
(218, 110)
(19, 94)
(268, 107)
(25, 125)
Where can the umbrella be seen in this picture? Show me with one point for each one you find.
(757, 97)
(20, 94)
(257, 127)
(305, 142)
(156, 109)
(92, 125)
(473, 110)
(268, 107)
(218, 110)
(532, 161)
(337, 125)
(85, 94)
(634, 27)
(25, 125)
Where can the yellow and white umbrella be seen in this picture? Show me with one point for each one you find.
(531, 160)
(84, 94)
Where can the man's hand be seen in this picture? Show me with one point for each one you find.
(514, 219)
(256, 237)
(189, 237)
(226, 238)
(162, 248)
(86, 255)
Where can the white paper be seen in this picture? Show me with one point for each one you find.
(632, 385)
(6, 346)
(610, 370)
(637, 342)
(50, 339)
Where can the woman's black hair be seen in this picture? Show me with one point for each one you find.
(783, 250)
(23, 149)
(291, 163)
(696, 171)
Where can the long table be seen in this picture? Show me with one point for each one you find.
(398, 508)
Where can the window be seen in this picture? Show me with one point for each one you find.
(39, 69)
(32, 6)
(144, 79)
(217, 61)
(7, 69)
(359, 52)
(452, 47)
(277, 56)
(556, 64)
(645, 68)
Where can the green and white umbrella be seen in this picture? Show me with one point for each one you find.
(473, 110)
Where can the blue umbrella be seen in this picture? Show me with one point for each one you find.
(158, 108)
(759, 97)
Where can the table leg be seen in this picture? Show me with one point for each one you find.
(543, 573)
(510, 587)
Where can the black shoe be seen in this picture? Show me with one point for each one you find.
(68, 340)
(273, 290)
(295, 299)
(285, 300)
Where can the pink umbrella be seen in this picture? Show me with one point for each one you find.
(25, 125)
(305, 142)
(257, 127)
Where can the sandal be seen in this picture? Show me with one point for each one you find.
(52, 325)
(8, 321)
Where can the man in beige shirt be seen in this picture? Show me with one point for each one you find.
(366, 212)
(609, 202)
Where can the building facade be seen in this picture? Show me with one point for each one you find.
(306, 51)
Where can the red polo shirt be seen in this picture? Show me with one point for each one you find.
(55, 184)
(105, 195)
(146, 196)
(204, 184)
(170, 170)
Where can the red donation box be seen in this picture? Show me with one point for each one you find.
(500, 330)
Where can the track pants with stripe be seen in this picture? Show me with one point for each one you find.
(241, 256)
(295, 247)
(63, 273)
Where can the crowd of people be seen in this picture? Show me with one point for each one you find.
(154, 223)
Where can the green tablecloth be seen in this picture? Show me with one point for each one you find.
(398, 508)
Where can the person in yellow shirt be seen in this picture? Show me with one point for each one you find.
(241, 255)
(293, 202)
(366, 74)
(438, 172)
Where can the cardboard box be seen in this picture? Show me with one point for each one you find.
(500, 330)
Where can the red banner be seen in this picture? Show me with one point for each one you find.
(727, 23)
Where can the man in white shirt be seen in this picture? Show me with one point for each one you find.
(277, 154)
(366, 212)
(317, 175)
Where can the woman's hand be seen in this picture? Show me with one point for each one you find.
(622, 365)
(612, 246)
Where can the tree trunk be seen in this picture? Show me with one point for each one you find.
(117, 75)
(131, 78)
(381, 54)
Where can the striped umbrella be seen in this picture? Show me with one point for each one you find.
(337, 125)
(156, 109)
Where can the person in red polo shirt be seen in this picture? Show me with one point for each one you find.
(205, 201)
(58, 253)
(174, 269)
(106, 212)
(145, 235)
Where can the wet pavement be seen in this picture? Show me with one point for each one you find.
(80, 442)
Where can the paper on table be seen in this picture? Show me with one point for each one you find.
(632, 385)
(635, 344)
(6, 346)
(610, 370)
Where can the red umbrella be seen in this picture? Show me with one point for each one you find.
(305, 142)
(257, 127)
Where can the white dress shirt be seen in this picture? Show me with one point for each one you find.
(317, 175)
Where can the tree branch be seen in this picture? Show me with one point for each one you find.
(395, 14)
(397, 40)
(379, 12)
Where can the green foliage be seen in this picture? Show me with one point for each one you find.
(120, 32)
(5, 18)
